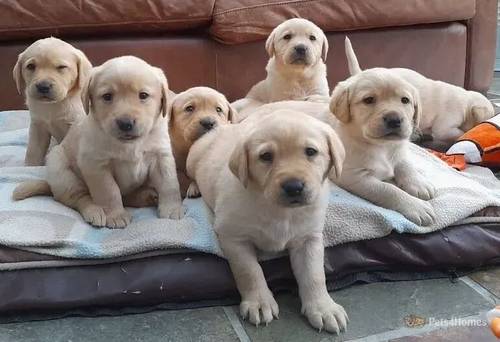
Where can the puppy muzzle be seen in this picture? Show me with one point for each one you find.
(44, 91)
(294, 193)
(126, 129)
(299, 55)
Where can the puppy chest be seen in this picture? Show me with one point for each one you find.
(130, 175)
(383, 168)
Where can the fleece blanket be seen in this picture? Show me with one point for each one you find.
(43, 225)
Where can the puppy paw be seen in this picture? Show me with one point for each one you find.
(420, 212)
(259, 307)
(146, 197)
(193, 191)
(118, 219)
(94, 215)
(171, 211)
(324, 313)
(418, 188)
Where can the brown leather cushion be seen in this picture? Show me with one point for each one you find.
(238, 21)
(21, 19)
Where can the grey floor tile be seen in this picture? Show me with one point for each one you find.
(489, 279)
(376, 308)
(205, 325)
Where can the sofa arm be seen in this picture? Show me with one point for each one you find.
(481, 46)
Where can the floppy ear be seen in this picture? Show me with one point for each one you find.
(84, 68)
(417, 108)
(165, 92)
(232, 115)
(337, 155)
(238, 163)
(86, 98)
(270, 44)
(339, 103)
(324, 48)
(18, 75)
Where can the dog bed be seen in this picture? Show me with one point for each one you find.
(64, 264)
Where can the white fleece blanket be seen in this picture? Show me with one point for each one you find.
(42, 225)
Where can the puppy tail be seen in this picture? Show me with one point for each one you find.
(30, 189)
(352, 60)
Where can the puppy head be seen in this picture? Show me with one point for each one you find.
(287, 156)
(126, 96)
(197, 111)
(377, 106)
(298, 43)
(51, 69)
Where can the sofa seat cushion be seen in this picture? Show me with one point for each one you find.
(23, 19)
(239, 21)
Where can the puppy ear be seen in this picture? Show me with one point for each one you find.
(270, 44)
(417, 108)
(238, 163)
(232, 115)
(18, 75)
(337, 155)
(84, 68)
(324, 48)
(165, 92)
(86, 98)
(339, 103)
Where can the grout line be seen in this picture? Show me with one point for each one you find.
(404, 332)
(490, 297)
(236, 324)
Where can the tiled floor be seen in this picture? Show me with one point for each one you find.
(427, 310)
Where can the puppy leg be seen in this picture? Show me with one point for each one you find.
(106, 194)
(38, 144)
(411, 181)
(391, 197)
(257, 301)
(163, 178)
(143, 197)
(447, 134)
(193, 191)
(70, 190)
(307, 261)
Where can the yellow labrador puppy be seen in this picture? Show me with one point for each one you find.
(193, 113)
(121, 148)
(296, 70)
(377, 111)
(268, 187)
(448, 111)
(51, 74)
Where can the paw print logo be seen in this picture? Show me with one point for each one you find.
(493, 317)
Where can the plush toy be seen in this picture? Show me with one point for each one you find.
(480, 145)
(493, 317)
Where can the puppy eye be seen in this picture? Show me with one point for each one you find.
(311, 37)
(189, 109)
(287, 37)
(31, 66)
(61, 67)
(405, 100)
(311, 151)
(107, 97)
(369, 100)
(266, 157)
(218, 109)
(143, 95)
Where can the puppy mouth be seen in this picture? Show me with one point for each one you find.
(299, 60)
(46, 98)
(128, 137)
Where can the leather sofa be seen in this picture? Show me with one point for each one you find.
(219, 43)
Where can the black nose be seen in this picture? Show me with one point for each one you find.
(300, 49)
(43, 87)
(392, 120)
(125, 124)
(207, 123)
(293, 187)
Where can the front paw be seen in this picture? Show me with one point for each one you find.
(94, 215)
(255, 304)
(171, 211)
(118, 219)
(418, 211)
(193, 191)
(417, 187)
(324, 313)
